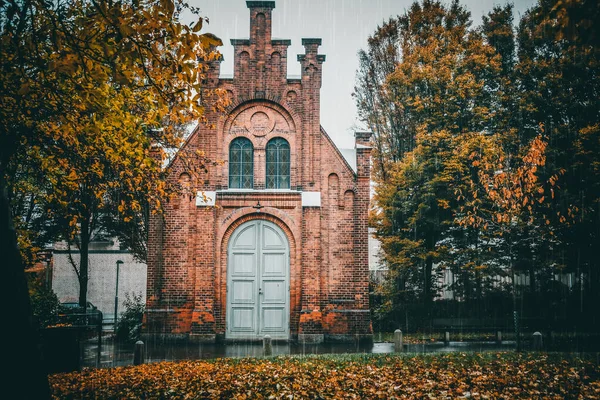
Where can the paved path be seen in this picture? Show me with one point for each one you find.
(165, 351)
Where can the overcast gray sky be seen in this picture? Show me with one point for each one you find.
(344, 26)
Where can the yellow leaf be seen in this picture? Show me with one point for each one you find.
(198, 26)
(208, 40)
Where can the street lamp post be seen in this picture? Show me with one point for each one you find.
(119, 262)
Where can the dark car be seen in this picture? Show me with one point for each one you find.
(73, 313)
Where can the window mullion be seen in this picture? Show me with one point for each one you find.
(277, 171)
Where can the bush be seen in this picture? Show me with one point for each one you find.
(129, 327)
(45, 306)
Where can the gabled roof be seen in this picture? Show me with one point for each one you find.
(350, 157)
(339, 153)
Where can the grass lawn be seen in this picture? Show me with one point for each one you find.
(431, 337)
(358, 376)
(558, 338)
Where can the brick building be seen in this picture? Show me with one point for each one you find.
(276, 240)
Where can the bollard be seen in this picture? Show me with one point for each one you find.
(447, 338)
(138, 354)
(267, 346)
(498, 337)
(537, 341)
(398, 346)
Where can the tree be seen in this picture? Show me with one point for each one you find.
(558, 69)
(374, 101)
(501, 197)
(501, 178)
(446, 86)
(84, 85)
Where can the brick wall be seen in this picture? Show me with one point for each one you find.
(187, 266)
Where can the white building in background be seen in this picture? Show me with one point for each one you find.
(377, 269)
(102, 285)
(446, 278)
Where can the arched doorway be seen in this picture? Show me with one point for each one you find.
(258, 282)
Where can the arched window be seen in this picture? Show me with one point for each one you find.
(278, 164)
(241, 164)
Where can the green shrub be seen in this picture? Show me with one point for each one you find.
(45, 305)
(129, 327)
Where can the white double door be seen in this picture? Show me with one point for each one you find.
(258, 282)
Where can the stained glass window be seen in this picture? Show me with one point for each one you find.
(278, 164)
(241, 164)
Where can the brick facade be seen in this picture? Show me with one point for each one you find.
(323, 214)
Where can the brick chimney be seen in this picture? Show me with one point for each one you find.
(311, 62)
(363, 154)
(213, 71)
(311, 66)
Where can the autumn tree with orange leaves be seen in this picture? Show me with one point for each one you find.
(444, 87)
(486, 147)
(86, 88)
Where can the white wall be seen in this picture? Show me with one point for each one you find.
(102, 279)
(375, 263)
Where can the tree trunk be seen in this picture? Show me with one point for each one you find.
(516, 316)
(593, 292)
(478, 278)
(478, 294)
(532, 267)
(428, 293)
(84, 250)
(24, 362)
(428, 272)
